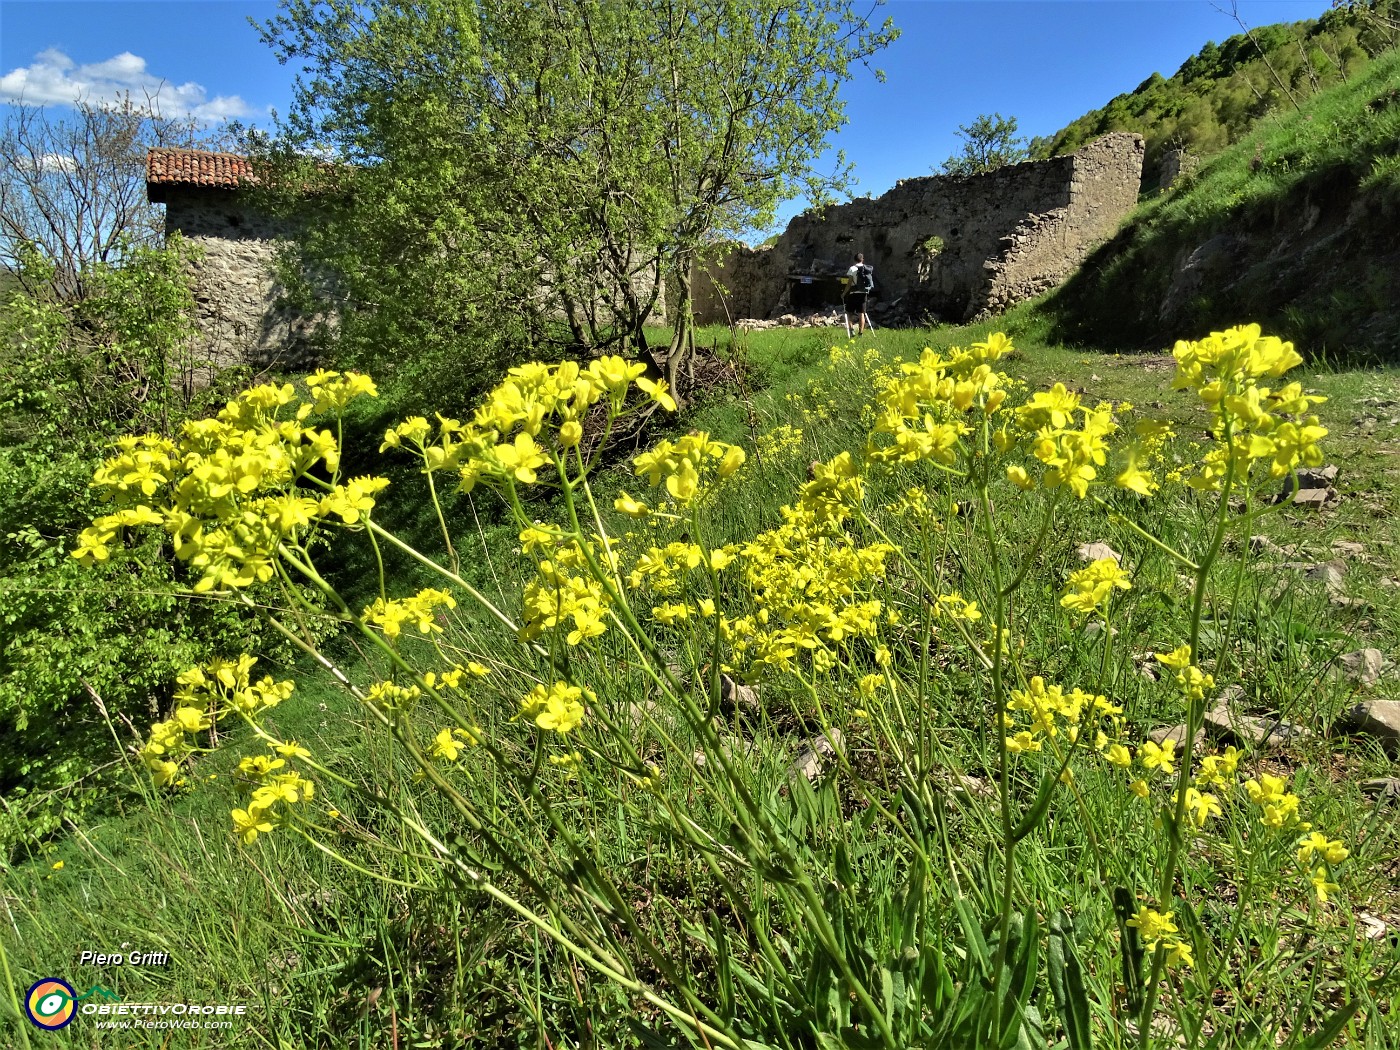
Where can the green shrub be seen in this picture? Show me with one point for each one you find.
(84, 656)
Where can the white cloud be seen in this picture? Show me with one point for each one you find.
(57, 162)
(54, 79)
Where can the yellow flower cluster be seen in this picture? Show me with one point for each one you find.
(1218, 770)
(332, 391)
(1090, 587)
(806, 578)
(780, 443)
(688, 466)
(564, 588)
(1070, 454)
(269, 789)
(390, 616)
(449, 743)
(557, 708)
(391, 698)
(1190, 679)
(229, 492)
(1253, 423)
(205, 696)
(443, 454)
(663, 570)
(921, 411)
(1200, 806)
(1278, 806)
(501, 445)
(1157, 927)
(1049, 710)
(1142, 457)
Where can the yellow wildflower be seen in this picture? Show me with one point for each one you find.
(1332, 850)
(1323, 885)
(1090, 587)
(556, 707)
(247, 823)
(1154, 756)
(1153, 925)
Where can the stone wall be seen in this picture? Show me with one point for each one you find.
(1175, 164)
(943, 248)
(234, 285)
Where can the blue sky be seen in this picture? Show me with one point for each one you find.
(1044, 62)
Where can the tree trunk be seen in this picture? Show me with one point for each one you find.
(683, 340)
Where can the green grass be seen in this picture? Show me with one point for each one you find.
(329, 957)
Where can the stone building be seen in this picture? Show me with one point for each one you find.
(943, 247)
(235, 289)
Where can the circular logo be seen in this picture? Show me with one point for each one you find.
(50, 1003)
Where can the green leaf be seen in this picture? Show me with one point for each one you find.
(1041, 806)
(1066, 976)
(1132, 956)
(1332, 1027)
(972, 934)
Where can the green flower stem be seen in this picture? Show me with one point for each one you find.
(1118, 519)
(582, 855)
(781, 968)
(717, 749)
(1195, 717)
(702, 726)
(1032, 556)
(875, 803)
(975, 646)
(1241, 907)
(379, 564)
(1008, 878)
(476, 595)
(442, 520)
(399, 732)
(348, 863)
(1222, 656)
(20, 1025)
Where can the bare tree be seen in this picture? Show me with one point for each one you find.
(75, 188)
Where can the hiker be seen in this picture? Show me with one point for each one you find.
(860, 282)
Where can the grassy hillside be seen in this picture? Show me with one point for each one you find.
(1296, 226)
(1219, 93)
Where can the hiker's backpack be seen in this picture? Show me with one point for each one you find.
(864, 280)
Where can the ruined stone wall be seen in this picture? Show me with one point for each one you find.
(1175, 164)
(234, 286)
(741, 282)
(944, 247)
(1046, 247)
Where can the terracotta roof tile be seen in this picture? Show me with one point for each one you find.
(188, 167)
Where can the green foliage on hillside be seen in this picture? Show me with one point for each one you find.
(1216, 96)
(1296, 226)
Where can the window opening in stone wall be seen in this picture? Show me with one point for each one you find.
(814, 291)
